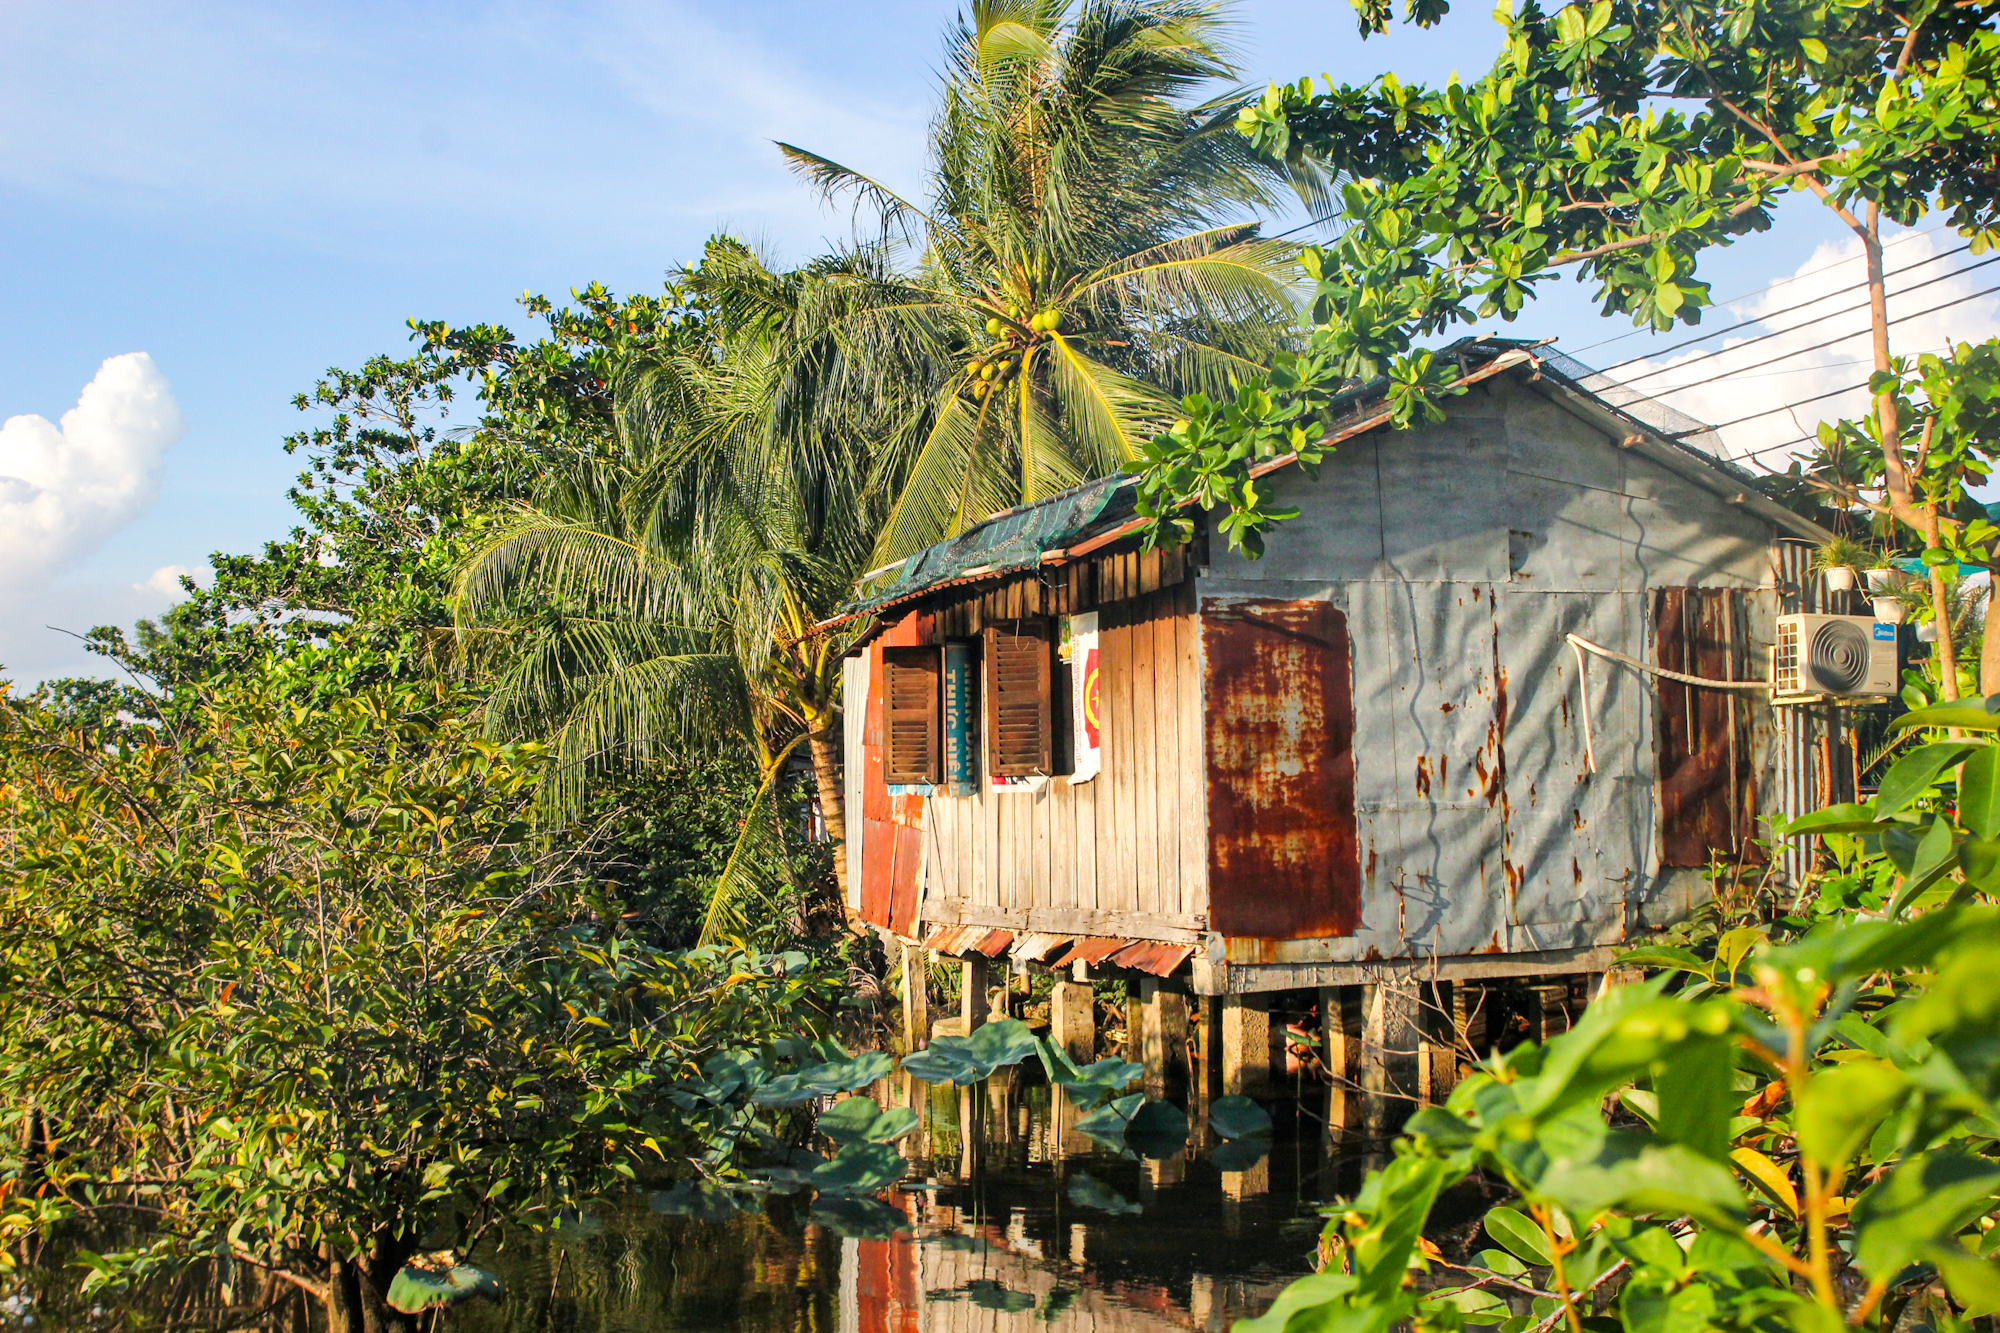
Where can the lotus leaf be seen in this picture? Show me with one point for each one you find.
(825, 1080)
(859, 1120)
(1239, 1154)
(860, 1168)
(1086, 1191)
(435, 1280)
(1157, 1129)
(1238, 1118)
(698, 1199)
(1107, 1123)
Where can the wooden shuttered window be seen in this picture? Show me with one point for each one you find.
(1020, 734)
(911, 690)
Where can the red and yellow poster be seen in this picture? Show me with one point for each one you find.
(1088, 724)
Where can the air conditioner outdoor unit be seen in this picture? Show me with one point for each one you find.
(1821, 657)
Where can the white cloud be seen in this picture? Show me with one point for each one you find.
(165, 582)
(65, 488)
(1809, 339)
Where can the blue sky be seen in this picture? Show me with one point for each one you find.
(252, 192)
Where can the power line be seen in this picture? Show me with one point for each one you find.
(1782, 407)
(1803, 273)
(1786, 356)
(1765, 319)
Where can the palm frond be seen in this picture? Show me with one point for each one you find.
(831, 180)
(1110, 413)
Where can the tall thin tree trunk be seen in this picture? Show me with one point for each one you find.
(1989, 643)
(824, 739)
(1941, 607)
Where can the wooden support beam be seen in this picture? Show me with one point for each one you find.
(1549, 1013)
(1072, 1020)
(975, 978)
(1246, 1046)
(916, 997)
(1340, 1047)
(1388, 1049)
(1166, 1045)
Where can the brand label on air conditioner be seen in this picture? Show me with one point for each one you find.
(1884, 633)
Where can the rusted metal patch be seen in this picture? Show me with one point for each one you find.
(1707, 773)
(957, 941)
(1093, 949)
(1151, 957)
(892, 840)
(1284, 857)
(1037, 948)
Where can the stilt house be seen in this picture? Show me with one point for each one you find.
(1377, 746)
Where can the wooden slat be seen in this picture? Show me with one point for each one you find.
(1083, 884)
(1165, 787)
(1115, 880)
(1147, 772)
(1189, 762)
(1060, 822)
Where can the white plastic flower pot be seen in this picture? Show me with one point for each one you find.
(1840, 578)
(1890, 610)
(1927, 632)
(1883, 580)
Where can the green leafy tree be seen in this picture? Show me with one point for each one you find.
(304, 992)
(1620, 141)
(658, 599)
(1070, 278)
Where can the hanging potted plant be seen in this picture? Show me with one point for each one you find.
(1882, 575)
(1837, 562)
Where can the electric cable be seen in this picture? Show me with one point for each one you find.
(1819, 346)
(1581, 645)
(1766, 319)
(1802, 273)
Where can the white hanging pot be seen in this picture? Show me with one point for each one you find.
(1883, 580)
(1890, 610)
(1927, 632)
(1840, 578)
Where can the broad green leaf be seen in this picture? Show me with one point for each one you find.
(1693, 1087)
(1157, 1130)
(1239, 1154)
(1963, 715)
(1309, 1292)
(437, 1281)
(1086, 1191)
(1974, 1281)
(1516, 1233)
(1926, 1199)
(1979, 793)
(1668, 956)
(1639, 1174)
(1005, 1041)
(1238, 1117)
(857, 1216)
(860, 1168)
(1913, 774)
(1108, 1122)
(1839, 1108)
(1835, 819)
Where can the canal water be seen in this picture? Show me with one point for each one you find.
(1007, 1221)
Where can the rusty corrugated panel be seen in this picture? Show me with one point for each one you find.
(1283, 856)
(955, 940)
(1152, 957)
(1039, 948)
(891, 826)
(1093, 949)
(1707, 782)
(993, 943)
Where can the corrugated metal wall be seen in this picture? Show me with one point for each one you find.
(1461, 555)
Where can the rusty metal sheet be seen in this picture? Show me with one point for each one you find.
(1283, 852)
(1093, 949)
(1037, 948)
(1152, 957)
(1707, 782)
(994, 943)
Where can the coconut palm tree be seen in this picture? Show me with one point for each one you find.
(657, 599)
(1075, 267)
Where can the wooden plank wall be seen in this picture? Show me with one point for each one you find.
(1127, 851)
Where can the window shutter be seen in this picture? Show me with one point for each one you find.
(910, 692)
(1017, 700)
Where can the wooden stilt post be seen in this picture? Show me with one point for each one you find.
(1550, 1012)
(1166, 1046)
(1246, 1046)
(916, 997)
(975, 977)
(1340, 1023)
(1072, 1020)
(1388, 1047)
